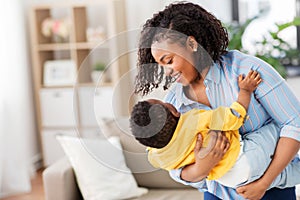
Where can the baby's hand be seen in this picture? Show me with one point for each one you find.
(250, 82)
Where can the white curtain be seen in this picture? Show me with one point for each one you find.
(16, 115)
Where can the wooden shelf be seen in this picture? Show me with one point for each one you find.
(95, 85)
(70, 46)
(57, 86)
(90, 84)
(54, 46)
(60, 103)
(91, 45)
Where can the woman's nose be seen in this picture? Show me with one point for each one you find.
(168, 71)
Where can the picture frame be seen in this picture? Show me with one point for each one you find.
(59, 73)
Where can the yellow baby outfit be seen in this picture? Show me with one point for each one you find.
(180, 150)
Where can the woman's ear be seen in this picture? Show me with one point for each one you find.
(192, 43)
(175, 113)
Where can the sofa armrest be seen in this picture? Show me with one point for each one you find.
(60, 182)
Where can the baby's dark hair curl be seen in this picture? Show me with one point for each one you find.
(152, 124)
(187, 19)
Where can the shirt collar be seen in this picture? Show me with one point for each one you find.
(181, 98)
(214, 73)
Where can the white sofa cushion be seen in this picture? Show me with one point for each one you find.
(100, 168)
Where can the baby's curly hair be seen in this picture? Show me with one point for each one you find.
(152, 124)
(176, 22)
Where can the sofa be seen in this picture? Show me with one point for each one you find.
(60, 181)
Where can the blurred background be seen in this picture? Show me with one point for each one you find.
(64, 65)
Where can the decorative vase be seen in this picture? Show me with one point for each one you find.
(59, 39)
(98, 76)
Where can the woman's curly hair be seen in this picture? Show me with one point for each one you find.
(152, 125)
(187, 19)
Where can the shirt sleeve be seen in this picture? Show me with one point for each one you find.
(283, 106)
(175, 175)
(225, 118)
(279, 101)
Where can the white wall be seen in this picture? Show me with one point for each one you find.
(294, 84)
(31, 138)
(220, 8)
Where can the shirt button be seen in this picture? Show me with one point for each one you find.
(205, 81)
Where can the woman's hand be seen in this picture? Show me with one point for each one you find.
(282, 157)
(216, 153)
(253, 191)
(202, 166)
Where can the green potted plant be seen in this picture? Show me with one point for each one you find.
(236, 31)
(274, 49)
(98, 71)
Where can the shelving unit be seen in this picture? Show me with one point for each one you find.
(65, 109)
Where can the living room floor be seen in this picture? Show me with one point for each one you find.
(37, 192)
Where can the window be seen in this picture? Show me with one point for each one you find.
(275, 11)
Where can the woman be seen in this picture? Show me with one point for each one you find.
(188, 45)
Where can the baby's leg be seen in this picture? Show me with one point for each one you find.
(265, 141)
(257, 149)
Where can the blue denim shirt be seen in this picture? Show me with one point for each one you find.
(273, 100)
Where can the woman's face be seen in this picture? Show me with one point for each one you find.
(178, 61)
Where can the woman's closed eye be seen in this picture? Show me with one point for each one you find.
(170, 61)
(166, 60)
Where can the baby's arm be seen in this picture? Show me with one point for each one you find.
(247, 85)
(203, 165)
(233, 117)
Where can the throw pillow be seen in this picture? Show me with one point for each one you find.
(100, 168)
(135, 155)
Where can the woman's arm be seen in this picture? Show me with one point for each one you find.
(284, 108)
(281, 159)
(201, 168)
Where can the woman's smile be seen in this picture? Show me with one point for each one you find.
(177, 77)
